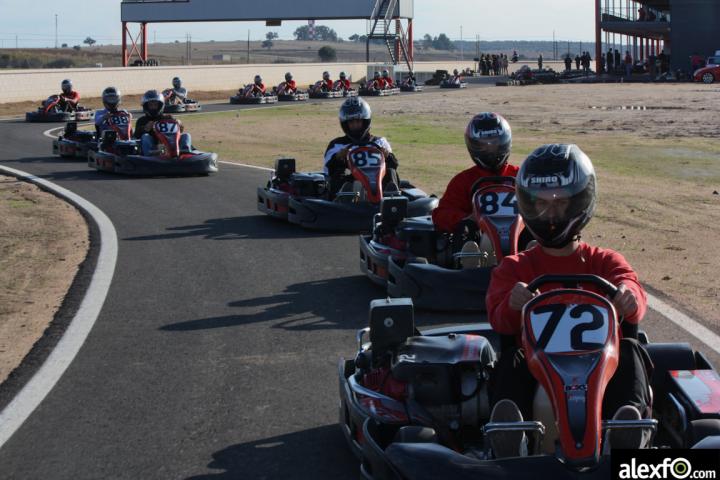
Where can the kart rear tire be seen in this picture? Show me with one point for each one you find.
(700, 429)
(708, 78)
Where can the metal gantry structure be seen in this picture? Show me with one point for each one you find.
(385, 26)
(384, 17)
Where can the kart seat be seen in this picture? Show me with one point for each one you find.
(431, 461)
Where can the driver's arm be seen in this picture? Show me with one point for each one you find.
(631, 300)
(455, 205)
(504, 279)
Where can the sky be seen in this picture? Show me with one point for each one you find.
(490, 19)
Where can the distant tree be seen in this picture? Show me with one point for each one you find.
(267, 44)
(354, 38)
(327, 54)
(271, 35)
(427, 42)
(442, 42)
(90, 41)
(64, 45)
(322, 33)
(302, 33)
(76, 47)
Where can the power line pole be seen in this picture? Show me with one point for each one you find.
(16, 42)
(56, 36)
(461, 45)
(248, 47)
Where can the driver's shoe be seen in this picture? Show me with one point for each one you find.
(627, 438)
(507, 443)
(486, 246)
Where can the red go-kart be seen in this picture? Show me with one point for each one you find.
(56, 109)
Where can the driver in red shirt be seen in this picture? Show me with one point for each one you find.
(258, 85)
(290, 85)
(556, 194)
(377, 82)
(488, 138)
(327, 82)
(343, 82)
(386, 78)
(69, 96)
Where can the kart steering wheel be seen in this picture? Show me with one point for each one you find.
(572, 281)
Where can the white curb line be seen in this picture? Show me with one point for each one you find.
(33, 393)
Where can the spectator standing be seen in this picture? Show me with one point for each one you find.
(618, 61)
(628, 64)
(642, 14)
(577, 62)
(540, 61)
(568, 63)
(505, 64)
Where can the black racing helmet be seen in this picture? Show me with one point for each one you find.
(176, 82)
(288, 77)
(455, 72)
(111, 98)
(343, 75)
(355, 108)
(376, 75)
(258, 80)
(66, 86)
(488, 138)
(556, 193)
(326, 75)
(385, 74)
(153, 103)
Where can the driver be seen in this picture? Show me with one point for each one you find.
(290, 85)
(386, 78)
(343, 83)
(258, 86)
(153, 104)
(488, 139)
(179, 92)
(377, 82)
(556, 194)
(327, 83)
(410, 80)
(68, 96)
(457, 78)
(111, 98)
(355, 118)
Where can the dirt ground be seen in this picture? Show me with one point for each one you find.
(43, 240)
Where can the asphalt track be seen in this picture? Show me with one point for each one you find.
(214, 356)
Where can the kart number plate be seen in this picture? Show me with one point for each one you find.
(560, 327)
(167, 128)
(501, 204)
(366, 158)
(120, 120)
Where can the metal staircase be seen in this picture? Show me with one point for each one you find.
(381, 26)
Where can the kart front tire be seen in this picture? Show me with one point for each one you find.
(699, 429)
(708, 78)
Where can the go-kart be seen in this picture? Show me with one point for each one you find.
(126, 156)
(175, 104)
(320, 90)
(343, 91)
(453, 83)
(306, 200)
(74, 143)
(55, 109)
(251, 95)
(415, 405)
(438, 270)
(285, 94)
(371, 89)
(79, 143)
(410, 87)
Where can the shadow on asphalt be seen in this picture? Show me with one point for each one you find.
(317, 305)
(318, 453)
(308, 306)
(235, 228)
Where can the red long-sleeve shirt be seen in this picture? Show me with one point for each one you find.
(456, 204)
(344, 83)
(530, 264)
(73, 97)
(291, 85)
(389, 82)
